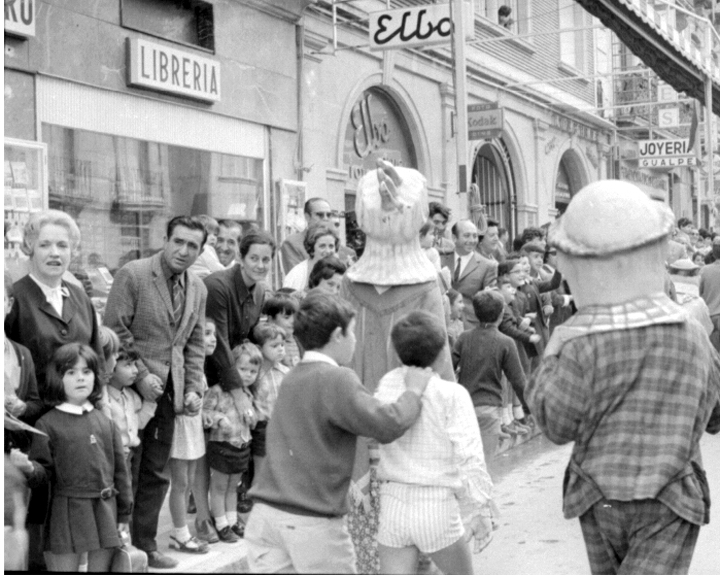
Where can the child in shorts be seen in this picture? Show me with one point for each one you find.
(435, 491)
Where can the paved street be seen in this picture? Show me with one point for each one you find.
(534, 538)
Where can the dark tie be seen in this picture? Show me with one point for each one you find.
(178, 299)
(456, 276)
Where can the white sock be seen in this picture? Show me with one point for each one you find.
(518, 412)
(506, 418)
(220, 522)
(231, 517)
(182, 534)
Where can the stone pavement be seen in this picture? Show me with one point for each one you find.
(232, 558)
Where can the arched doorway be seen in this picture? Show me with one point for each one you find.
(492, 172)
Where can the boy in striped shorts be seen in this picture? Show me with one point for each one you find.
(435, 492)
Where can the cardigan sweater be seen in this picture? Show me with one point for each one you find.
(311, 438)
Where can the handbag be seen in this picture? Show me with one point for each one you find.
(128, 559)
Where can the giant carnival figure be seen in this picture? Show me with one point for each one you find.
(393, 277)
(633, 380)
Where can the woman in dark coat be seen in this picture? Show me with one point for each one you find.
(47, 313)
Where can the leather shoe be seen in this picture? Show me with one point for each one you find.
(160, 561)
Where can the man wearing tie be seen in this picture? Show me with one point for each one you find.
(471, 272)
(157, 309)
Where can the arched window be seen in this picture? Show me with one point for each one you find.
(490, 173)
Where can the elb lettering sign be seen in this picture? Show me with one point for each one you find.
(485, 121)
(155, 66)
(662, 153)
(418, 26)
(20, 17)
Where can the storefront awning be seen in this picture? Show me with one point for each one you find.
(671, 55)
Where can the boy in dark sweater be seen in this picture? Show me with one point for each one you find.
(481, 356)
(300, 494)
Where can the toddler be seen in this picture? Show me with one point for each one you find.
(128, 410)
(231, 416)
(280, 310)
(271, 340)
(188, 446)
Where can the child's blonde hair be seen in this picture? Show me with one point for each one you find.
(109, 341)
(265, 331)
(249, 350)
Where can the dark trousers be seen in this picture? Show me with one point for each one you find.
(715, 336)
(637, 537)
(153, 476)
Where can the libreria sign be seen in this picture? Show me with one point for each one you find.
(155, 66)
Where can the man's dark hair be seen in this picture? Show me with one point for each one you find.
(324, 269)
(703, 233)
(255, 237)
(490, 223)
(488, 306)
(191, 222)
(517, 243)
(309, 204)
(437, 208)
(682, 222)
(504, 10)
(418, 338)
(530, 233)
(280, 302)
(319, 315)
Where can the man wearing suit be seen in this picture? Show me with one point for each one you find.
(470, 272)
(157, 308)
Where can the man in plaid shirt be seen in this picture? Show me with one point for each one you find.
(633, 382)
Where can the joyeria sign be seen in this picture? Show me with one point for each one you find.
(418, 26)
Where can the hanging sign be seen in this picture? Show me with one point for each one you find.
(485, 121)
(662, 153)
(159, 67)
(417, 26)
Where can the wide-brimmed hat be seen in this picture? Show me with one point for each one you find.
(607, 217)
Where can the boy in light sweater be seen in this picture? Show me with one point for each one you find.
(300, 494)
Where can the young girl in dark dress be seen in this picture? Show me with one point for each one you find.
(82, 457)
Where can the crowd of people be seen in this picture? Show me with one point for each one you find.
(176, 386)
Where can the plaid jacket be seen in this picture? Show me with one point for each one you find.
(635, 402)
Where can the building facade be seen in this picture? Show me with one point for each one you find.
(145, 109)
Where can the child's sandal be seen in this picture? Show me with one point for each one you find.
(192, 545)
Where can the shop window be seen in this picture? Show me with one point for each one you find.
(513, 15)
(182, 21)
(572, 44)
(122, 192)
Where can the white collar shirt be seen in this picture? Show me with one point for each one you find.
(73, 409)
(315, 356)
(442, 448)
(464, 261)
(124, 407)
(54, 296)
